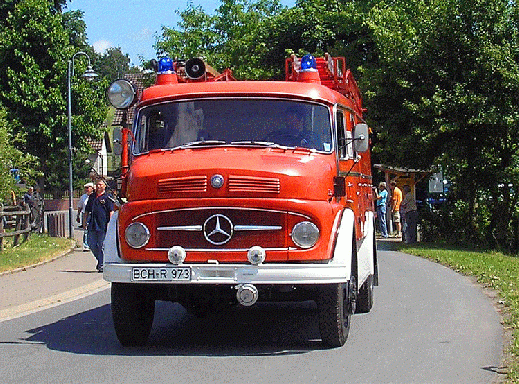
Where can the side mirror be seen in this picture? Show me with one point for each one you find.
(118, 141)
(361, 138)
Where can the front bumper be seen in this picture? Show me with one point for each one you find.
(237, 273)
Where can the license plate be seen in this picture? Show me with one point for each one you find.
(161, 274)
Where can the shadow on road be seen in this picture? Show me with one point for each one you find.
(265, 329)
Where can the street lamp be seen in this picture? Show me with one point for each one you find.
(89, 75)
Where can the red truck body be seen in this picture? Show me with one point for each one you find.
(238, 191)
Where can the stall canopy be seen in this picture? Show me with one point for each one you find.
(403, 176)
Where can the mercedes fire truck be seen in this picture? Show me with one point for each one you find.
(235, 192)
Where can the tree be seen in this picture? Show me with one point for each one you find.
(113, 64)
(75, 25)
(7, 6)
(446, 86)
(12, 158)
(196, 37)
(34, 51)
(440, 81)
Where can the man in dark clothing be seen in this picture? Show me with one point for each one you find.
(100, 207)
(28, 198)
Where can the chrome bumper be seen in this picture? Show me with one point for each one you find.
(237, 273)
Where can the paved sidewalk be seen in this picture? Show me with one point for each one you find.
(64, 279)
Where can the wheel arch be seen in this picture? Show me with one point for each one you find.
(366, 255)
(343, 249)
(111, 244)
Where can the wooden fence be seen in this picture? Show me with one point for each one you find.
(17, 218)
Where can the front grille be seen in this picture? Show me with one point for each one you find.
(249, 227)
(254, 184)
(188, 184)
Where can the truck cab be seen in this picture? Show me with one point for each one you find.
(242, 191)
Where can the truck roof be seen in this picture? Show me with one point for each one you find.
(280, 89)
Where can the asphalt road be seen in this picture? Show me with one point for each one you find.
(428, 325)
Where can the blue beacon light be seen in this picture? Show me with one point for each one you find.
(308, 63)
(165, 65)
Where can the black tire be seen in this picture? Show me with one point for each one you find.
(334, 317)
(132, 313)
(336, 303)
(365, 297)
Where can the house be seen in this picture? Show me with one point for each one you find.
(99, 156)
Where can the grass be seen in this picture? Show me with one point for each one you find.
(36, 249)
(492, 269)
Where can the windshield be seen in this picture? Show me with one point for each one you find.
(233, 121)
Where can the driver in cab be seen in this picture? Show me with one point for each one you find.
(293, 134)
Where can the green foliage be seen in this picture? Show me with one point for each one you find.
(73, 22)
(112, 65)
(443, 92)
(12, 158)
(196, 36)
(7, 154)
(7, 6)
(440, 80)
(34, 54)
(227, 39)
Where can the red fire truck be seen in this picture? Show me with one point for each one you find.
(243, 191)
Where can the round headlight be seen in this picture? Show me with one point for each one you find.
(121, 94)
(305, 234)
(137, 235)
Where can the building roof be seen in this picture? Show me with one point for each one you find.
(389, 168)
(97, 145)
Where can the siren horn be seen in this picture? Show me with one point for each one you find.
(195, 68)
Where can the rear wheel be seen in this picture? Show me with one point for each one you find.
(365, 298)
(132, 313)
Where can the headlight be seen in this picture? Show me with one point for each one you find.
(121, 94)
(305, 234)
(137, 235)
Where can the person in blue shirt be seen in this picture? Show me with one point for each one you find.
(100, 207)
(381, 208)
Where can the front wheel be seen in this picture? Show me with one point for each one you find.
(132, 312)
(335, 304)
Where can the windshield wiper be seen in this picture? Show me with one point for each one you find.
(203, 142)
(253, 142)
(273, 145)
(200, 143)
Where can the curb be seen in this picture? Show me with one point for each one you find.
(53, 301)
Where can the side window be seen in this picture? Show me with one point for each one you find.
(341, 137)
(140, 134)
(350, 123)
(349, 145)
(344, 135)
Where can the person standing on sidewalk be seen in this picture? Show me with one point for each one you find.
(410, 213)
(396, 199)
(100, 207)
(82, 214)
(381, 208)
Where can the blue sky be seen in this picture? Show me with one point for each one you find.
(134, 25)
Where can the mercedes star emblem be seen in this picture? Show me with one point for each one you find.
(217, 181)
(218, 229)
